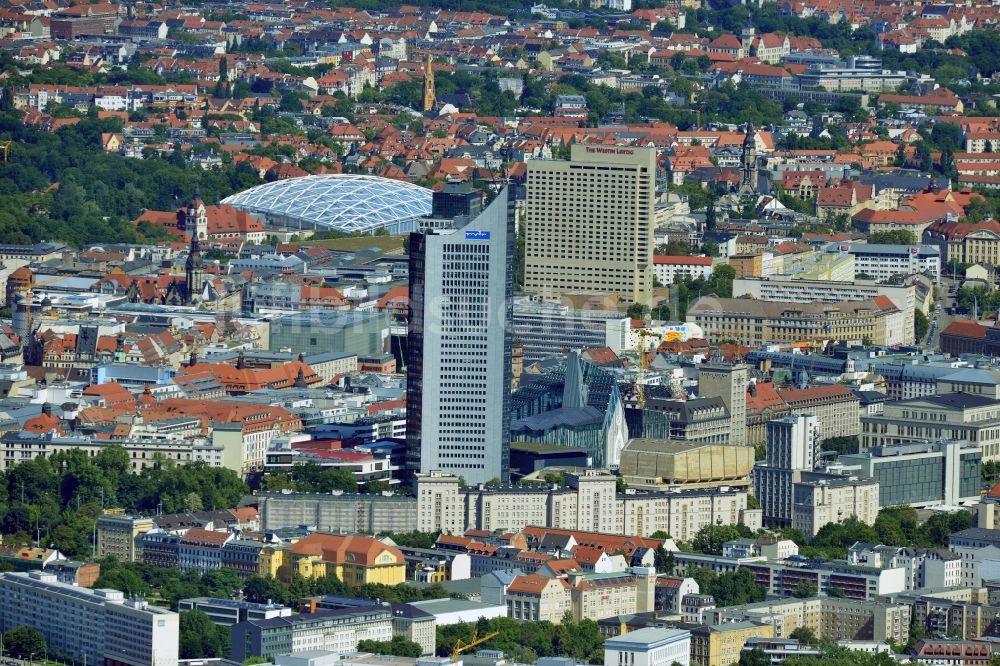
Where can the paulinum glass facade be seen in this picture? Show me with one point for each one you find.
(346, 202)
(360, 333)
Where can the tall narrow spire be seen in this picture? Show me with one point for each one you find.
(429, 96)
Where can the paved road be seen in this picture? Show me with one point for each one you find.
(945, 300)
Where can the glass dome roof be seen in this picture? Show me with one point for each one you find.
(346, 202)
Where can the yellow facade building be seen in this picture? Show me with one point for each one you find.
(721, 644)
(355, 560)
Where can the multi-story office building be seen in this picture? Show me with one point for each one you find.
(117, 536)
(160, 549)
(698, 420)
(668, 268)
(964, 242)
(201, 550)
(818, 499)
(793, 445)
(355, 332)
(924, 567)
(921, 473)
(729, 382)
(589, 222)
(974, 545)
(96, 626)
(799, 290)
(755, 323)
(459, 347)
(226, 612)
(885, 261)
(547, 329)
(783, 578)
(962, 416)
(332, 630)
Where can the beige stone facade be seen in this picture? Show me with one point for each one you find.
(116, 537)
(816, 503)
(589, 502)
(755, 323)
(830, 618)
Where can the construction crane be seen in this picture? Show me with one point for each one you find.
(464, 646)
(5, 146)
(640, 376)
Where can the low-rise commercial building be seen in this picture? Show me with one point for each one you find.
(652, 646)
(227, 612)
(921, 474)
(332, 630)
(779, 649)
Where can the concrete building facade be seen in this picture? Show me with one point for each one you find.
(589, 222)
(99, 626)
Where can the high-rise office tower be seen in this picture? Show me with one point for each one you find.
(793, 442)
(589, 222)
(793, 446)
(459, 347)
(728, 381)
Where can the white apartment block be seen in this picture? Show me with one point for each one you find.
(668, 268)
(96, 626)
(884, 261)
(922, 567)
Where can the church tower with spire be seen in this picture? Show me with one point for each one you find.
(196, 224)
(748, 162)
(429, 95)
